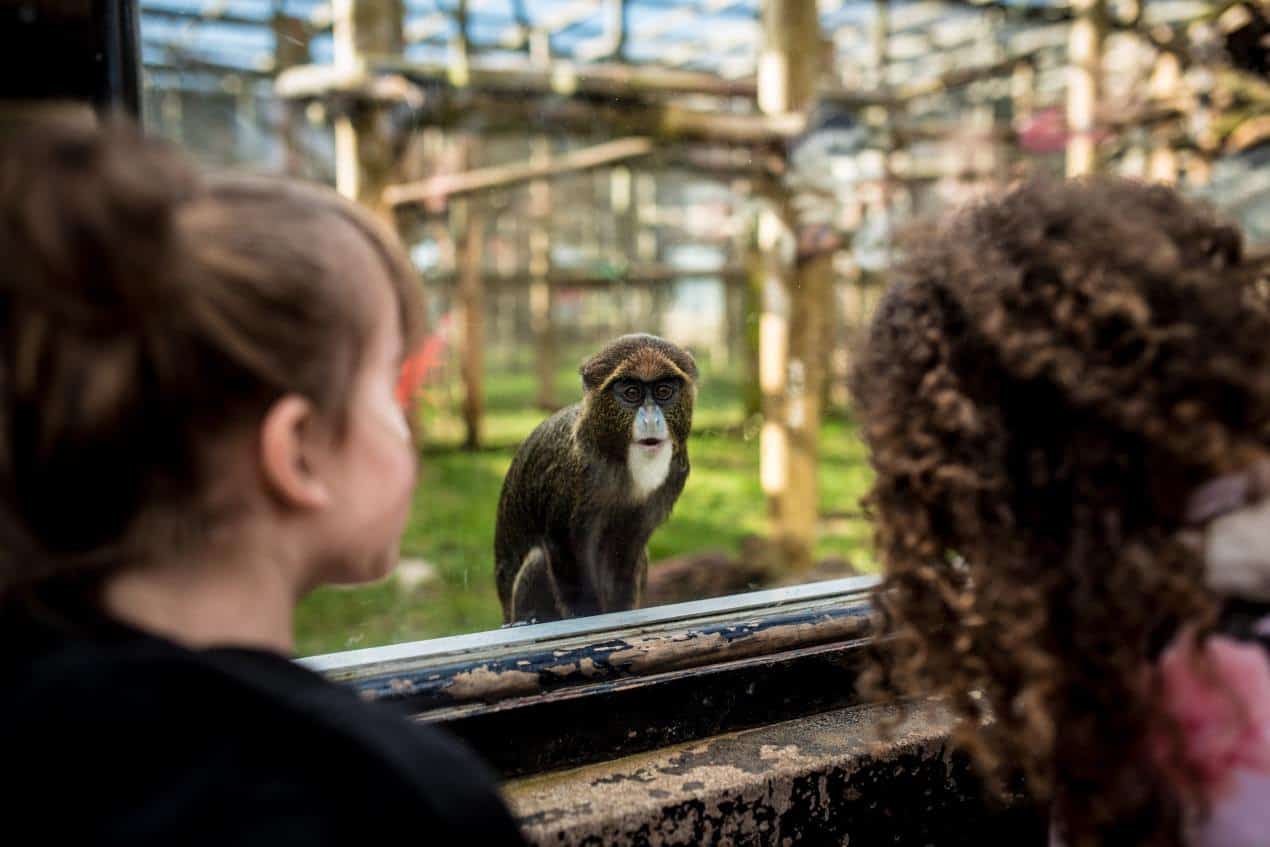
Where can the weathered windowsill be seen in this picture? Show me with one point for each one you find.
(820, 779)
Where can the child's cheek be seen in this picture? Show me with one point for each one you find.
(389, 413)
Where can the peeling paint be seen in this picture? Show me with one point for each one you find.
(483, 682)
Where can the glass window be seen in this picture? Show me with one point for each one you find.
(730, 179)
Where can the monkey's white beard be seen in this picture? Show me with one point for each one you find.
(649, 467)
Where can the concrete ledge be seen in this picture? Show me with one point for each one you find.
(821, 779)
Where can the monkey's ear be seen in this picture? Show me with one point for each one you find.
(689, 365)
(594, 371)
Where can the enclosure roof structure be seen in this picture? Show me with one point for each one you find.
(721, 38)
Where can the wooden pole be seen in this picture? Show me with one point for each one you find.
(1084, 84)
(808, 346)
(752, 308)
(472, 305)
(364, 160)
(1166, 81)
(291, 49)
(541, 293)
(789, 367)
(648, 249)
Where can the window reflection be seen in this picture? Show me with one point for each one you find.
(728, 175)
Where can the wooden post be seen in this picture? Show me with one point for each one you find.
(626, 236)
(364, 160)
(789, 367)
(1084, 84)
(615, 25)
(291, 48)
(172, 112)
(808, 347)
(541, 294)
(470, 224)
(1166, 80)
(752, 308)
(648, 249)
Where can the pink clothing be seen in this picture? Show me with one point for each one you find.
(1219, 695)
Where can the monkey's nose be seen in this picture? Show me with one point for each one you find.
(650, 426)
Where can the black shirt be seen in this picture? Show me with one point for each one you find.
(112, 736)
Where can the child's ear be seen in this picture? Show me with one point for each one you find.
(289, 460)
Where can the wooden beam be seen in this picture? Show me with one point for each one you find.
(640, 274)
(185, 65)
(558, 79)
(962, 77)
(628, 82)
(518, 173)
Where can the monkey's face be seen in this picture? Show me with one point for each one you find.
(648, 402)
(639, 402)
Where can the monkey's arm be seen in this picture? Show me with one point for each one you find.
(536, 593)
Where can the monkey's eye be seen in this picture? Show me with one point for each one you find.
(633, 393)
(664, 392)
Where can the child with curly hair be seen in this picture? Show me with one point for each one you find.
(1066, 396)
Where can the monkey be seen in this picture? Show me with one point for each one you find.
(589, 485)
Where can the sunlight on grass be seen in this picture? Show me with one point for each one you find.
(452, 521)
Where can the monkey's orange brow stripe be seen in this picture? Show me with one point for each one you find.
(648, 370)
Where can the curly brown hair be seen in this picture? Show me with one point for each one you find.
(1047, 378)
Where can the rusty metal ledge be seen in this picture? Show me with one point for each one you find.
(823, 779)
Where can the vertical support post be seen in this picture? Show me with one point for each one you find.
(626, 237)
(1166, 81)
(172, 110)
(1084, 84)
(615, 27)
(881, 61)
(364, 160)
(291, 48)
(470, 225)
(805, 390)
(541, 295)
(752, 310)
(648, 248)
(789, 365)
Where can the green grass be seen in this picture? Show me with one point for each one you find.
(452, 521)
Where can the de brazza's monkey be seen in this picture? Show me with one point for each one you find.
(592, 482)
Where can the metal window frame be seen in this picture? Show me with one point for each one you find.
(86, 52)
(545, 696)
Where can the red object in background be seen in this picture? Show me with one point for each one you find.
(1045, 131)
(420, 363)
